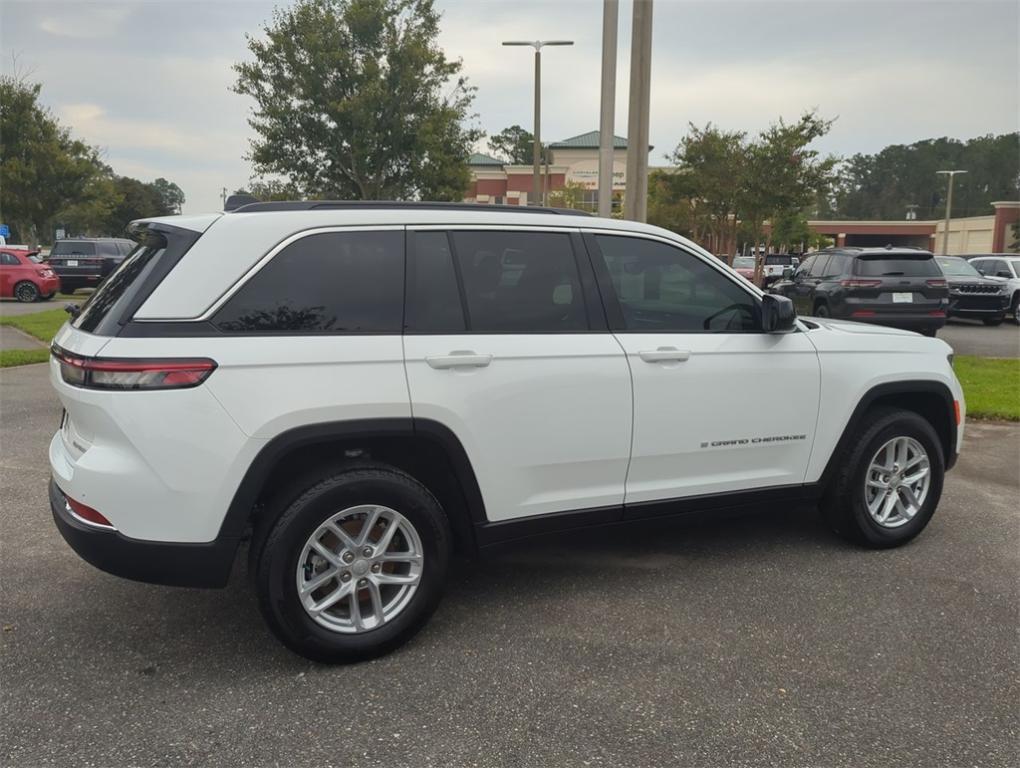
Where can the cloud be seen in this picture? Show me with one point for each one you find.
(85, 21)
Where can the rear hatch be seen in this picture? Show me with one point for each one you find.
(76, 258)
(898, 283)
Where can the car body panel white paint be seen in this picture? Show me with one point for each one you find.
(546, 424)
(691, 418)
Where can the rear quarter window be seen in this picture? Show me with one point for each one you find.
(329, 283)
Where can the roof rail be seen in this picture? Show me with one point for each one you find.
(316, 205)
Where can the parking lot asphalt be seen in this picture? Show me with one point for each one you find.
(759, 641)
(972, 337)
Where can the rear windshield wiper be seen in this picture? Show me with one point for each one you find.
(892, 274)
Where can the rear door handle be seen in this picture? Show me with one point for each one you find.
(461, 358)
(664, 355)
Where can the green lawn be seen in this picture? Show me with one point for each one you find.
(991, 386)
(12, 357)
(42, 325)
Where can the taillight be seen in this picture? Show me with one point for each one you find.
(937, 282)
(87, 514)
(863, 313)
(130, 374)
(855, 283)
(938, 313)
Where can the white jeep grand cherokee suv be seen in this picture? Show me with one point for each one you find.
(368, 388)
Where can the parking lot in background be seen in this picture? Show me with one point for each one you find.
(763, 640)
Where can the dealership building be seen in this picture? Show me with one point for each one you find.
(571, 161)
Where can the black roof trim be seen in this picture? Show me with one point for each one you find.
(316, 205)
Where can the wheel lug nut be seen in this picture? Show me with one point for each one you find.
(362, 582)
(345, 576)
(347, 557)
(367, 552)
(375, 568)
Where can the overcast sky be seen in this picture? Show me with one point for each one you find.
(149, 82)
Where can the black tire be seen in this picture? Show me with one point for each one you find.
(26, 292)
(277, 546)
(821, 310)
(993, 321)
(932, 332)
(844, 506)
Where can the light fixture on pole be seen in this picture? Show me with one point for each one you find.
(538, 45)
(949, 208)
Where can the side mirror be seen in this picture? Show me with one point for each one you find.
(1003, 273)
(787, 273)
(777, 314)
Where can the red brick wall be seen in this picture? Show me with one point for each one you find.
(1002, 235)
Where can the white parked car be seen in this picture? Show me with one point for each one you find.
(366, 389)
(1005, 267)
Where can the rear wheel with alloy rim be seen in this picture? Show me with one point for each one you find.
(353, 566)
(26, 292)
(888, 481)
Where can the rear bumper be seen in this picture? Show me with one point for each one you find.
(156, 562)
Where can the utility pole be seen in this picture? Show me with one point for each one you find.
(949, 208)
(636, 196)
(538, 45)
(607, 147)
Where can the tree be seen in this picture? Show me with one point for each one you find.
(1014, 246)
(711, 165)
(44, 170)
(881, 186)
(514, 145)
(171, 196)
(571, 195)
(269, 190)
(355, 99)
(783, 174)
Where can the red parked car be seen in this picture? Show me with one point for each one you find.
(25, 276)
(744, 266)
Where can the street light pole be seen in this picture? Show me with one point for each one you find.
(635, 200)
(536, 152)
(949, 208)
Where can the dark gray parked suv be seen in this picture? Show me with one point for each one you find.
(899, 287)
(973, 295)
(84, 262)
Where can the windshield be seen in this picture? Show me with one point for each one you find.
(781, 258)
(743, 262)
(35, 257)
(953, 267)
(901, 265)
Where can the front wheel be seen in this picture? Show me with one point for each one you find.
(889, 480)
(822, 310)
(993, 321)
(354, 566)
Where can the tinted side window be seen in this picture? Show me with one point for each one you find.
(660, 287)
(335, 282)
(520, 282)
(820, 265)
(805, 268)
(9, 260)
(433, 300)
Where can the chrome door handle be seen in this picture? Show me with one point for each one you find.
(461, 358)
(664, 355)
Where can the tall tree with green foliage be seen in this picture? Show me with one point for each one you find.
(882, 185)
(354, 99)
(711, 171)
(515, 145)
(44, 171)
(170, 195)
